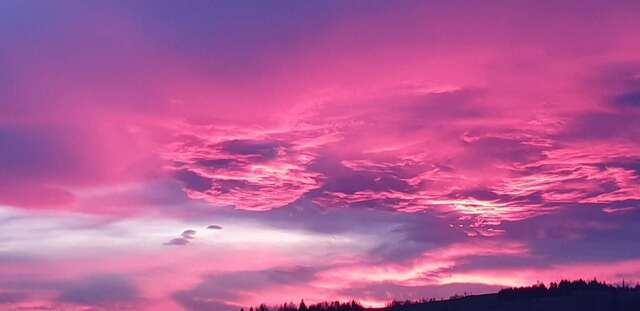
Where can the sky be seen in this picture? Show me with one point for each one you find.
(212, 155)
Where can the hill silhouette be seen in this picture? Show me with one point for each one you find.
(566, 295)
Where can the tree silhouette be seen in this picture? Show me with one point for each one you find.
(562, 296)
(303, 307)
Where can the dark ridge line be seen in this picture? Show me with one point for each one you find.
(565, 295)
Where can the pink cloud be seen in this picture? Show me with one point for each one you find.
(423, 270)
(257, 170)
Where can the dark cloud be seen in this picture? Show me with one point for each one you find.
(484, 150)
(618, 86)
(12, 297)
(629, 163)
(597, 126)
(258, 150)
(195, 303)
(359, 181)
(226, 186)
(188, 234)
(185, 238)
(193, 181)
(580, 232)
(214, 227)
(347, 180)
(631, 99)
(215, 289)
(113, 290)
(108, 291)
(218, 163)
(484, 194)
(177, 241)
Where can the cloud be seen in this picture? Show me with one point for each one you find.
(202, 303)
(11, 297)
(177, 241)
(255, 149)
(218, 290)
(487, 171)
(430, 268)
(100, 290)
(193, 181)
(188, 234)
(185, 238)
(214, 227)
(631, 99)
(260, 172)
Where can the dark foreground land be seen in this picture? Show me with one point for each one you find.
(564, 296)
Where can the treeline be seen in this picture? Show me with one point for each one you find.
(322, 306)
(563, 288)
(578, 292)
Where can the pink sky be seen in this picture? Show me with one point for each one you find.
(159, 155)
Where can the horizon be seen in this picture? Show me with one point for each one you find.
(208, 155)
(504, 291)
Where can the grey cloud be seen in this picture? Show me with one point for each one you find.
(188, 234)
(177, 241)
(193, 181)
(211, 293)
(631, 99)
(11, 297)
(262, 150)
(185, 238)
(100, 290)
